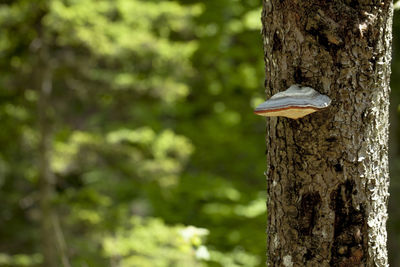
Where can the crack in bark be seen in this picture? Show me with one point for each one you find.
(308, 212)
(348, 248)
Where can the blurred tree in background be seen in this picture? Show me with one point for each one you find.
(127, 133)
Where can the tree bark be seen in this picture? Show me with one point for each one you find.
(327, 173)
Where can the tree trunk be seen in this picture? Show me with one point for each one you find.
(328, 172)
(53, 244)
(46, 177)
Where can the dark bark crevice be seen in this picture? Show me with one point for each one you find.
(308, 213)
(348, 246)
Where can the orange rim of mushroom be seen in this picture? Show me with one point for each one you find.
(286, 108)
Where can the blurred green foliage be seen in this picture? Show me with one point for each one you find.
(156, 245)
(157, 156)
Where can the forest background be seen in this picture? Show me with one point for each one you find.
(156, 155)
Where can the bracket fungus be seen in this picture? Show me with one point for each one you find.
(295, 102)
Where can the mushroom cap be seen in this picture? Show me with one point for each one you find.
(294, 103)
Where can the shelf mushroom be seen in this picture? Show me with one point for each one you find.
(295, 102)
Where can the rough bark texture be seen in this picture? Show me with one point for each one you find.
(328, 172)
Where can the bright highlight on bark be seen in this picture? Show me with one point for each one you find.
(295, 102)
